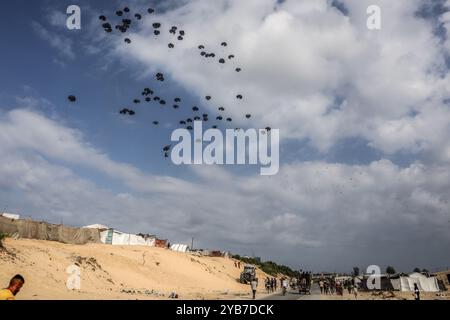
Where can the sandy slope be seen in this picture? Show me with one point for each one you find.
(109, 272)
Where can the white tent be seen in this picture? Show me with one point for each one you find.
(10, 216)
(424, 283)
(118, 238)
(179, 248)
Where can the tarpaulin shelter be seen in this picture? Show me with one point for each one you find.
(180, 248)
(30, 229)
(10, 216)
(118, 238)
(159, 243)
(406, 283)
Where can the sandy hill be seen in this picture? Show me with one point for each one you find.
(109, 272)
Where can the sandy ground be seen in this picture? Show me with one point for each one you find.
(112, 272)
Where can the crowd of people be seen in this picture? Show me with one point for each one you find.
(330, 286)
(271, 284)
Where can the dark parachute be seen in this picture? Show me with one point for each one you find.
(197, 118)
(156, 32)
(248, 116)
(127, 111)
(155, 123)
(239, 97)
(222, 61)
(229, 119)
(219, 118)
(72, 98)
(102, 18)
(224, 44)
(180, 38)
(138, 16)
(231, 56)
(136, 101)
(156, 25)
(127, 40)
(148, 99)
(182, 33)
(177, 100)
(167, 148)
(175, 106)
(201, 47)
(238, 69)
(214, 127)
(171, 45)
(162, 102)
(150, 10)
(119, 13)
(157, 99)
(208, 98)
(268, 129)
(189, 128)
(182, 122)
(221, 109)
(126, 9)
(195, 109)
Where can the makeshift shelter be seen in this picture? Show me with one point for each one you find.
(444, 277)
(117, 238)
(180, 248)
(159, 243)
(99, 227)
(406, 283)
(30, 229)
(10, 216)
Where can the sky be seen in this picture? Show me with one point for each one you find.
(364, 120)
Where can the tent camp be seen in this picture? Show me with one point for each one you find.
(110, 236)
(117, 238)
(406, 283)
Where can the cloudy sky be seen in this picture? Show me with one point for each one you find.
(364, 119)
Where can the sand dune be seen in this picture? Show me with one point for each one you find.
(109, 272)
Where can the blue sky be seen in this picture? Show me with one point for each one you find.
(363, 119)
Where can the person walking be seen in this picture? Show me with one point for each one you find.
(321, 285)
(416, 292)
(355, 290)
(254, 286)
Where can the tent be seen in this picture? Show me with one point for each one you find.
(117, 238)
(406, 283)
(179, 248)
(10, 216)
(97, 226)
